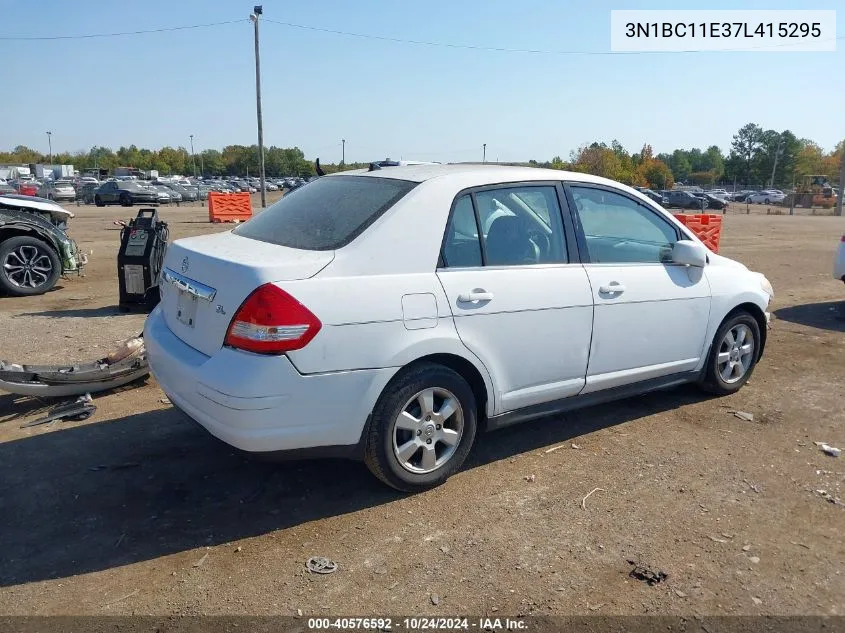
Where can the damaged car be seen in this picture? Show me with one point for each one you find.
(35, 249)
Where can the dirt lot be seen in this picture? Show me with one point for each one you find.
(138, 511)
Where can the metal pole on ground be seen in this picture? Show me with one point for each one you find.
(256, 12)
(193, 156)
(50, 143)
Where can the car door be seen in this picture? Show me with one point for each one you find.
(108, 192)
(520, 298)
(651, 315)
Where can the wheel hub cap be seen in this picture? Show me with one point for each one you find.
(428, 430)
(736, 354)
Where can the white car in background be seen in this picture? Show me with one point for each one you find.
(839, 261)
(388, 314)
(767, 196)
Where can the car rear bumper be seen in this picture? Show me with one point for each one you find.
(261, 403)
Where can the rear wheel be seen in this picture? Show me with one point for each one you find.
(422, 428)
(28, 266)
(733, 355)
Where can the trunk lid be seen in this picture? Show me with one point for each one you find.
(206, 279)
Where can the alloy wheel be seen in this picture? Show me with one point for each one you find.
(428, 430)
(736, 353)
(28, 267)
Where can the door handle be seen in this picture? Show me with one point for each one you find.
(475, 295)
(613, 288)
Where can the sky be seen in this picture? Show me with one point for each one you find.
(390, 99)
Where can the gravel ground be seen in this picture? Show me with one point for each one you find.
(137, 511)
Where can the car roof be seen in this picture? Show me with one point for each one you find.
(481, 173)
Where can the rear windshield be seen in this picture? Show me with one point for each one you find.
(326, 214)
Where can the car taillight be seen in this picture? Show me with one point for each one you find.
(270, 321)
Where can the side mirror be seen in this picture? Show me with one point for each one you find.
(689, 253)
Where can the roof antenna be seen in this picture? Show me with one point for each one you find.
(319, 169)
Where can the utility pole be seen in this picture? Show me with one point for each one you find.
(841, 185)
(50, 144)
(193, 156)
(343, 151)
(484, 153)
(775, 165)
(256, 12)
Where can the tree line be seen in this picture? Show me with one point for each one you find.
(232, 160)
(757, 157)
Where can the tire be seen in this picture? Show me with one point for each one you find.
(408, 393)
(723, 354)
(28, 266)
(766, 201)
(99, 201)
(125, 200)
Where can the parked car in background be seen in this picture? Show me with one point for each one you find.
(166, 195)
(26, 187)
(657, 197)
(767, 196)
(676, 199)
(315, 340)
(123, 192)
(740, 196)
(711, 201)
(85, 193)
(185, 193)
(59, 190)
(5, 187)
(839, 261)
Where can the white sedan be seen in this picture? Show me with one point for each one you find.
(767, 196)
(386, 314)
(839, 261)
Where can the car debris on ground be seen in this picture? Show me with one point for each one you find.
(320, 565)
(126, 363)
(830, 450)
(645, 574)
(78, 410)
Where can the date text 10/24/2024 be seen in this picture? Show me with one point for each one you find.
(417, 624)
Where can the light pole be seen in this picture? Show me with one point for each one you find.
(841, 186)
(256, 12)
(484, 154)
(343, 151)
(193, 156)
(50, 144)
(775, 165)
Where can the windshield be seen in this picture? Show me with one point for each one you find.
(327, 213)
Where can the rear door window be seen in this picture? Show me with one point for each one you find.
(326, 214)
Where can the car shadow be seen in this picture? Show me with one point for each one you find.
(97, 496)
(826, 316)
(105, 311)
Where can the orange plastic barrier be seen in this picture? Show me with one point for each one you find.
(706, 226)
(229, 207)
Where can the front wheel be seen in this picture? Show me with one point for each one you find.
(99, 201)
(28, 266)
(422, 428)
(733, 355)
(125, 200)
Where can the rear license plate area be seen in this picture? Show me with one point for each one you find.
(186, 308)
